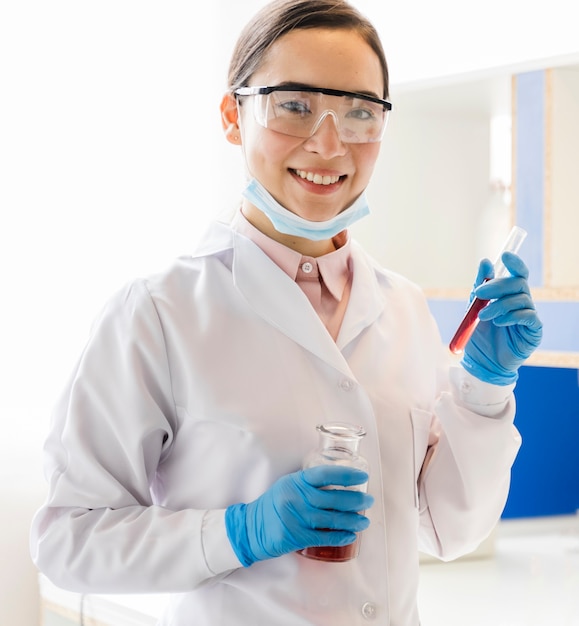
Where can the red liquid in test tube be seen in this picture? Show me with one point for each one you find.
(470, 320)
(467, 326)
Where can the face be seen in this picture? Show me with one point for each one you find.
(335, 59)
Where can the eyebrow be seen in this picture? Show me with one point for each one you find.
(297, 86)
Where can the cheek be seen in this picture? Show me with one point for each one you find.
(365, 156)
(265, 150)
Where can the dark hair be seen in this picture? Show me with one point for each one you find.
(282, 16)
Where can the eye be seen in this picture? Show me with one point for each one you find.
(292, 104)
(362, 114)
(295, 107)
(364, 110)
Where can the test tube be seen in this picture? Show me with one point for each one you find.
(470, 319)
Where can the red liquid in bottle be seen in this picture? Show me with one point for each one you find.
(335, 554)
(467, 326)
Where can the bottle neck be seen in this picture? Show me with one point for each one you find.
(340, 440)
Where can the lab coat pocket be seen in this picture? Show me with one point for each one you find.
(421, 423)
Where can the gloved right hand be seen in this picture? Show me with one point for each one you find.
(509, 330)
(296, 513)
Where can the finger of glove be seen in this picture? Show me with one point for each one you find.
(314, 538)
(525, 318)
(340, 500)
(525, 340)
(515, 264)
(485, 271)
(500, 287)
(293, 496)
(504, 306)
(326, 475)
(335, 520)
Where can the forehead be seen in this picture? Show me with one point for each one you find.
(336, 59)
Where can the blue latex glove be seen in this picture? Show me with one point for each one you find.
(509, 330)
(290, 514)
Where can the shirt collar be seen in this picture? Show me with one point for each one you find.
(334, 267)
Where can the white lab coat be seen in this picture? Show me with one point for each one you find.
(201, 386)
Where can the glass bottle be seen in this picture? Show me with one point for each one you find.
(338, 445)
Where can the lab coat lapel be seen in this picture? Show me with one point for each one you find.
(366, 299)
(276, 298)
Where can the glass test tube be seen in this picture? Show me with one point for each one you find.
(470, 319)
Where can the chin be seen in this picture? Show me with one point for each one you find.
(316, 211)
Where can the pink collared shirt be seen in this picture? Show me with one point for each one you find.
(326, 280)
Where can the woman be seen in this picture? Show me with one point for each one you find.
(175, 452)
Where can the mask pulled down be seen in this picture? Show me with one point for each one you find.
(288, 223)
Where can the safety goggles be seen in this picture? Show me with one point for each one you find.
(299, 112)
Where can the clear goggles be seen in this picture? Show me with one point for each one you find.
(299, 112)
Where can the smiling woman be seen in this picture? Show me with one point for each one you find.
(175, 451)
(329, 141)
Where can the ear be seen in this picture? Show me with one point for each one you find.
(230, 119)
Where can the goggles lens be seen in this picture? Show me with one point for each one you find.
(300, 112)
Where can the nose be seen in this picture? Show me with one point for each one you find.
(325, 137)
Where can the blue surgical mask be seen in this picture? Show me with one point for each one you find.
(289, 223)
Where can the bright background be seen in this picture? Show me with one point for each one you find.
(112, 162)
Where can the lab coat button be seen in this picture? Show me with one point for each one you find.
(465, 387)
(346, 385)
(307, 267)
(369, 610)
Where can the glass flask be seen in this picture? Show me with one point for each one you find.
(338, 445)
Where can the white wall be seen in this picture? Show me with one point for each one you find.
(112, 161)
(564, 154)
(426, 41)
(430, 185)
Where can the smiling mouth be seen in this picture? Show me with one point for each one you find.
(317, 179)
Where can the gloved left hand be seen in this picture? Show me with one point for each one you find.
(298, 512)
(509, 330)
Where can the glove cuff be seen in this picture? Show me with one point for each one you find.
(236, 527)
(494, 378)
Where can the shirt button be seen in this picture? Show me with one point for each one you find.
(307, 267)
(346, 385)
(369, 610)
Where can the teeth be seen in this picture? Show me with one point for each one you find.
(317, 179)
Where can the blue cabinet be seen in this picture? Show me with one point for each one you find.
(545, 478)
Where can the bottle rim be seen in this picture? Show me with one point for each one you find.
(342, 430)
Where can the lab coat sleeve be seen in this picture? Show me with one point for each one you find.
(100, 529)
(465, 479)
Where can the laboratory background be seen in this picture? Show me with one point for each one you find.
(112, 162)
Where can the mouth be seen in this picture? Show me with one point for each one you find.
(318, 179)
